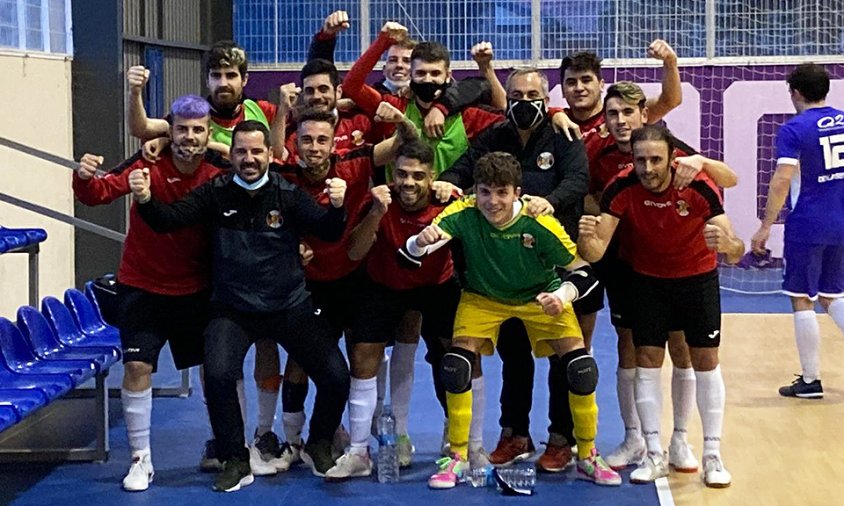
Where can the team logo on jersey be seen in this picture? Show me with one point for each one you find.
(528, 240)
(357, 137)
(545, 160)
(274, 219)
(682, 208)
(603, 131)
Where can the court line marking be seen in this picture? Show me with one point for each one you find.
(663, 492)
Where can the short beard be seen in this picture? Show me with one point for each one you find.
(188, 153)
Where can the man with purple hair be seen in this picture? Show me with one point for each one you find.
(163, 279)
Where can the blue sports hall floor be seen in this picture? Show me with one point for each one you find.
(180, 427)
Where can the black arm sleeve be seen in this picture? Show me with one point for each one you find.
(460, 174)
(467, 92)
(313, 219)
(322, 48)
(193, 209)
(574, 170)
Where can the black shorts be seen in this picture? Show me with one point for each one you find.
(615, 276)
(337, 300)
(691, 304)
(381, 309)
(147, 321)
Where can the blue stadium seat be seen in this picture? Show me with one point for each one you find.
(13, 240)
(67, 330)
(46, 345)
(87, 314)
(8, 417)
(53, 385)
(28, 235)
(103, 309)
(23, 401)
(19, 357)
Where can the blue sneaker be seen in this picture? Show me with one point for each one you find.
(803, 390)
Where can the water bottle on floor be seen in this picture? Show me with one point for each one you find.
(482, 476)
(519, 479)
(388, 458)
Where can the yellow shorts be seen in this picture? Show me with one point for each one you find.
(481, 317)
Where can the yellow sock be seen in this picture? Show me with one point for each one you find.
(584, 413)
(459, 419)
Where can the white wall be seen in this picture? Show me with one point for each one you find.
(36, 110)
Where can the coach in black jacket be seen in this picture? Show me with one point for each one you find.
(258, 289)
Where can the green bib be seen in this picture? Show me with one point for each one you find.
(447, 149)
(251, 110)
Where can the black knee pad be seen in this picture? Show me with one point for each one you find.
(581, 372)
(456, 370)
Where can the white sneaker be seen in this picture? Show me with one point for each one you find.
(714, 473)
(653, 467)
(681, 458)
(631, 452)
(445, 445)
(140, 474)
(405, 450)
(259, 466)
(478, 457)
(350, 465)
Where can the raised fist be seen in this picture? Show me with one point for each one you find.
(660, 50)
(381, 199)
(588, 226)
(139, 184)
(387, 113)
(89, 165)
(336, 190)
(396, 31)
(482, 53)
(137, 77)
(336, 22)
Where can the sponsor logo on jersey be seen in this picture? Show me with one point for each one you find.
(545, 160)
(274, 219)
(528, 240)
(658, 205)
(682, 208)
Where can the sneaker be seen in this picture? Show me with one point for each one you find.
(452, 470)
(140, 474)
(317, 455)
(259, 466)
(236, 474)
(557, 456)
(594, 469)
(267, 444)
(350, 465)
(478, 457)
(651, 469)
(405, 450)
(209, 463)
(681, 458)
(714, 474)
(511, 449)
(631, 452)
(273, 452)
(803, 390)
(341, 441)
(445, 444)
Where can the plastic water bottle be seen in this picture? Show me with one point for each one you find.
(388, 457)
(516, 480)
(482, 476)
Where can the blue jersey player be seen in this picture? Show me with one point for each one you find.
(814, 229)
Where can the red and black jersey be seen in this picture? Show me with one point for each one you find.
(176, 263)
(331, 260)
(396, 226)
(610, 161)
(353, 130)
(589, 126)
(665, 237)
(267, 108)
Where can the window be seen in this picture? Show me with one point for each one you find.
(36, 25)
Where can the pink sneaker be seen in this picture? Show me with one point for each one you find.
(452, 470)
(594, 469)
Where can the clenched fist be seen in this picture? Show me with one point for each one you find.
(588, 226)
(551, 304)
(287, 94)
(716, 238)
(396, 31)
(443, 190)
(387, 113)
(431, 234)
(660, 50)
(336, 22)
(137, 77)
(381, 199)
(89, 165)
(139, 184)
(336, 190)
(482, 53)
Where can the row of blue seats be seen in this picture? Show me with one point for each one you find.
(49, 353)
(17, 238)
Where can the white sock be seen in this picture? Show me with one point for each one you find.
(362, 397)
(649, 405)
(836, 312)
(710, 403)
(476, 428)
(807, 333)
(293, 423)
(241, 397)
(401, 382)
(682, 400)
(625, 381)
(267, 403)
(383, 370)
(137, 411)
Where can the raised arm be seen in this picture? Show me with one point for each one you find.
(140, 125)
(92, 190)
(364, 234)
(689, 166)
(354, 84)
(672, 93)
(483, 54)
(385, 151)
(193, 209)
(325, 40)
(595, 233)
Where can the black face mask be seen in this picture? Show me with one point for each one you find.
(427, 92)
(526, 114)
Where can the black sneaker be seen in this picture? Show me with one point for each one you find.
(269, 445)
(317, 454)
(209, 462)
(236, 474)
(803, 390)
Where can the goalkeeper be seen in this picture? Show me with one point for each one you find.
(511, 261)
